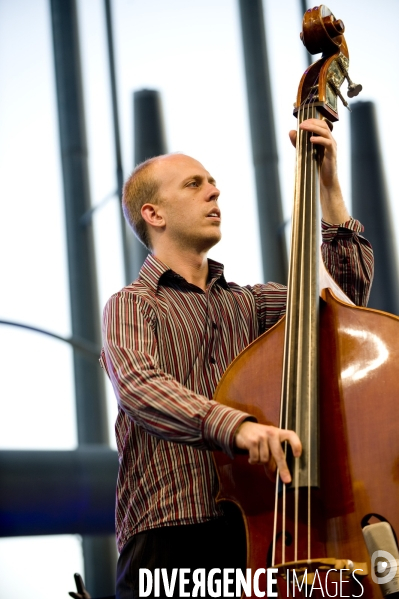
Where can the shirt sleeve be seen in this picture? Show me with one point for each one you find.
(349, 259)
(270, 301)
(152, 398)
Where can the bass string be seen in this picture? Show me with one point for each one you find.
(305, 113)
(289, 335)
(311, 207)
(306, 110)
(286, 368)
(283, 422)
(302, 156)
(308, 216)
(309, 403)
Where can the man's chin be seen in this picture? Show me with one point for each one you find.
(214, 240)
(203, 243)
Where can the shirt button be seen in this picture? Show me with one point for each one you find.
(212, 360)
(215, 326)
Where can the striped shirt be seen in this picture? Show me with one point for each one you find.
(166, 345)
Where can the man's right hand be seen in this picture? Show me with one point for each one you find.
(263, 444)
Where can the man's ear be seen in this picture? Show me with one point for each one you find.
(152, 214)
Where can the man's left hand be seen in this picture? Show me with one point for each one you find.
(332, 203)
(322, 136)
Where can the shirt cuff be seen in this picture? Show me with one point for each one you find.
(346, 230)
(220, 426)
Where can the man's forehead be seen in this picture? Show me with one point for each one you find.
(178, 165)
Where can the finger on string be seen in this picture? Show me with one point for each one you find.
(323, 132)
(278, 454)
(321, 141)
(292, 438)
(315, 122)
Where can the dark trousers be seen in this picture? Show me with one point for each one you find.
(219, 544)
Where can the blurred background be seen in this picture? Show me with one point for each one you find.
(191, 52)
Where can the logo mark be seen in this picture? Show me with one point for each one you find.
(383, 567)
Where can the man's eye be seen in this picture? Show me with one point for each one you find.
(193, 184)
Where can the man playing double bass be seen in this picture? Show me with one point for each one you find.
(169, 337)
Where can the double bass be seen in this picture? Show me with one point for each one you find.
(329, 371)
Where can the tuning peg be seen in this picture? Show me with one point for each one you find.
(354, 89)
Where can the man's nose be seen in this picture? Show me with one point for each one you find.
(213, 193)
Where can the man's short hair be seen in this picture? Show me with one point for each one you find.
(141, 188)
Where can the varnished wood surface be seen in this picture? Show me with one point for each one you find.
(359, 437)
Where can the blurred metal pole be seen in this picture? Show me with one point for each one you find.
(58, 492)
(304, 8)
(264, 147)
(126, 234)
(371, 205)
(89, 384)
(149, 141)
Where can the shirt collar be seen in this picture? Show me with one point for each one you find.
(153, 269)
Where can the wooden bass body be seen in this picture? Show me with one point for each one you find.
(358, 438)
